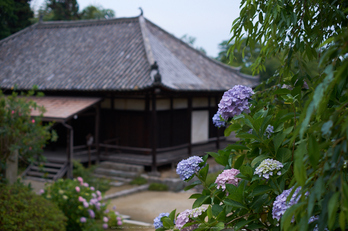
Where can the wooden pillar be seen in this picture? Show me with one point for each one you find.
(97, 121)
(147, 121)
(154, 134)
(69, 149)
(189, 111)
(171, 122)
(217, 129)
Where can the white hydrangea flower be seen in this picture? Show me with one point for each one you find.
(268, 167)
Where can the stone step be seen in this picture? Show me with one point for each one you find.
(115, 178)
(126, 192)
(121, 167)
(116, 173)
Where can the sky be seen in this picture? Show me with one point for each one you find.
(209, 21)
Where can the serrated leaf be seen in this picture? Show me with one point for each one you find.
(234, 203)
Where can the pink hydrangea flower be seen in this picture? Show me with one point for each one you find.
(33, 121)
(105, 226)
(92, 188)
(105, 219)
(12, 112)
(119, 222)
(81, 199)
(98, 193)
(83, 219)
(228, 176)
(85, 184)
(77, 188)
(80, 179)
(41, 191)
(85, 204)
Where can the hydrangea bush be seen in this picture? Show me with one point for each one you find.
(82, 204)
(292, 155)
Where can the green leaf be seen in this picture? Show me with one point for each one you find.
(241, 224)
(217, 209)
(299, 168)
(258, 159)
(283, 155)
(234, 203)
(203, 172)
(237, 147)
(239, 161)
(342, 220)
(289, 213)
(246, 170)
(167, 223)
(200, 201)
(278, 140)
(332, 209)
(313, 151)
(261, 189)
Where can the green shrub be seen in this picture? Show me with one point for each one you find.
(102, 185)
(158, 187)
(21, 209)
(138, 181)
(81, 204)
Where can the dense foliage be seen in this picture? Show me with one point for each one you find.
(18, 130)
(15, 15)
(87, 174)
(21, 209)
(289, 169)
(82, 205)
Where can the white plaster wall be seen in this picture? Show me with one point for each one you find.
(179, 103)
(200, 126)
(163, 104)
(200, 102)
(129, 104)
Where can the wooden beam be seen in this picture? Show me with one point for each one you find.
(189, 112)
(97, 133)
(154, 133)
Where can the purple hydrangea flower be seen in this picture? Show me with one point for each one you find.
(105, 226)
(269, 131)
(85, 204)
(91, 213)
(83, 219)
(280, 205)
(217, 120)
(228, 176)
(268, 167)
(187, 168)
(187, 215)
(157, 221)
(235, 101)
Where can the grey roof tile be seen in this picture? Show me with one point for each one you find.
(112, 55)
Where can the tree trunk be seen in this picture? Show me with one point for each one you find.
(12, 167)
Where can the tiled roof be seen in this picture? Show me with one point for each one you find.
(110, 55)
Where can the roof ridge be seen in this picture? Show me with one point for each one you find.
(144, 32)
(86, 22)
(237, 69)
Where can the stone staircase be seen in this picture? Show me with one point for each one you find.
(45, 171)
(118, 172)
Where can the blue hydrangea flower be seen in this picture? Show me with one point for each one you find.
(217, 120)
(157, 221)
(187, 168)
(280, 205)
(267, 167)
(269, 131)
(235, 101)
